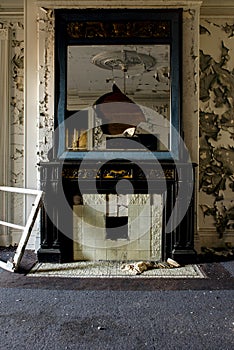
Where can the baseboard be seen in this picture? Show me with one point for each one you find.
(210, 238)
(15, 237)
(5, 240)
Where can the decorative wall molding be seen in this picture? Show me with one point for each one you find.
(31, 107)
(117, 4)
(4, 34)
(217, 8)
(5, 126)
(208, 237)
(9, 8)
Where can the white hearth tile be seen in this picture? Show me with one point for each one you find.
(133, 228)
(145, 210)
(144, 255)
(111, 205)
(101, 243)
(133, 245)
(144, 244)
(78, 210)
(76, 246)
(101, 254)
(89, 254)
(122, 254)
(100, 221)
(122, 199)
(133, 211)
(122, 211)
(78, 255)
(94, 199)
(156, 200)
(90, 231)
(100, 209)
(89, 215)
(132, 255)
(111, 254)
(144, 225)
(88, 242)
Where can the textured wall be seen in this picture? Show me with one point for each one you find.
(216, 206)
(46, 76)
(217, 126)
(16, 96)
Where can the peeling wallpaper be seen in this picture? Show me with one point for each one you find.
(46, 76)
(216, 196)
(217, 124)
(16, 93)
(16, 43)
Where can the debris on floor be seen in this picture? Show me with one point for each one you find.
(141, 266)
(225, 253)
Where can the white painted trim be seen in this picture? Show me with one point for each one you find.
(117, 4)
(208, 237)
(18, 190)
(5, 125)
(4, 34)
(31, 100)
(10, 15)
(217, 8)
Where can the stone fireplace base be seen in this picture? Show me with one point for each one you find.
(139, 239)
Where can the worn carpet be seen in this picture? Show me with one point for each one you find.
(109, 269)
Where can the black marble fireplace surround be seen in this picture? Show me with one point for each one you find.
(63, 176)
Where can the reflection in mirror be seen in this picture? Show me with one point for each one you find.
(135, 82)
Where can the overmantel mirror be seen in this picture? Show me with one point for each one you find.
(117, 83)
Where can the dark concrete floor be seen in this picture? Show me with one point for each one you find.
(145, 314)
(220, 276)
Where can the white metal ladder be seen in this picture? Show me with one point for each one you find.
(13, 264)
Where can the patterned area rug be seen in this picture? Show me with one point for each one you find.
(110, 269)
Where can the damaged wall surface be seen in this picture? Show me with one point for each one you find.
(15, 42)
(216, 131)
(216, 115)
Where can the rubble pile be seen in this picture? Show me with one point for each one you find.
(141, 266)
(226, 253)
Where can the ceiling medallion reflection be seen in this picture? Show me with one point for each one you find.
(124, 60)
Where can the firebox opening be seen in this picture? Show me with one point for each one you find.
(116, 227)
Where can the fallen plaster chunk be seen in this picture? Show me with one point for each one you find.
(173, 263)
(137, 268)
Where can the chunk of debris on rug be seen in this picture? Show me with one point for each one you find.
(139, 267)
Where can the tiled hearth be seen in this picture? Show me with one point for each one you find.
(118, 227)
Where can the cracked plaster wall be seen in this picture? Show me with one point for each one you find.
(46, 77)
(216, 208)
(16, 122)
(216, 196)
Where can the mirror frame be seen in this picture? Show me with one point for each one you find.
(87, 27)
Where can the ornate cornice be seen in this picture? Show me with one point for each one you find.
(11, 7)
(208, 7)
(117, 4)
(217, 8)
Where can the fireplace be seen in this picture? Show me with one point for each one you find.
(118, 184)
(116, 226)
